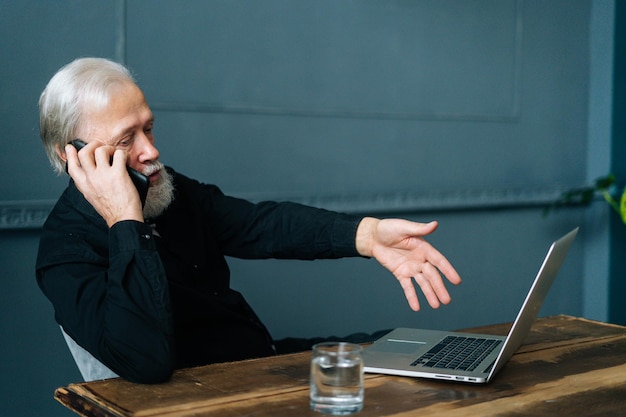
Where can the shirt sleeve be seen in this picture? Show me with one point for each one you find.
(281, 230)
(115, 304)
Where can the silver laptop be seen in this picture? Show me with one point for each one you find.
(465, 357)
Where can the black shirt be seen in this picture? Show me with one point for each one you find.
(146, 303)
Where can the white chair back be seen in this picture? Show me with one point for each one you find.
(90, 368)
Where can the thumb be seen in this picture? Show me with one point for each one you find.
(423, 229)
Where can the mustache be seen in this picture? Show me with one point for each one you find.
(152, 168)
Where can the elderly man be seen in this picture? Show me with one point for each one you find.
(145, 289)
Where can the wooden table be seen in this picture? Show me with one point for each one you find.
(567, 366)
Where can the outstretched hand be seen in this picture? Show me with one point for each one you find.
(399, 246)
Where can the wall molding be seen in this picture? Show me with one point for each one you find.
(414, 202)
(24, 215)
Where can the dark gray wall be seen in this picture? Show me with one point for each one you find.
(474, 113)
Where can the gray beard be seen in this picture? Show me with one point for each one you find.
(160, 195)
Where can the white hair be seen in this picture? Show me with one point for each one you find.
(61, 105)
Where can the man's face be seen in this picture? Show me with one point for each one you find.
(126, 123)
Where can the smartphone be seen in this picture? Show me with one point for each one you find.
(141, 181)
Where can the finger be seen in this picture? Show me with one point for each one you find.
(423, 229)
(71, 159)
(438, 292)
(409, 293)
(103, 155)
(86, 156)
(120, 157)
(424, 284)
(444, 266)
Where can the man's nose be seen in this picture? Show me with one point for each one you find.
(147, 150)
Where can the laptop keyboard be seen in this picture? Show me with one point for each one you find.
(458, 352)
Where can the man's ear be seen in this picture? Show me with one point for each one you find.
(60, 152)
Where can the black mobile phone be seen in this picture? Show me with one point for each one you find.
(141, 181)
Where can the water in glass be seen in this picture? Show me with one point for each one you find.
(337, 381)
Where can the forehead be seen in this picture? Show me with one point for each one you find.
(125, 108)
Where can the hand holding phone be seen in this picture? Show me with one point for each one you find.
(141, 181)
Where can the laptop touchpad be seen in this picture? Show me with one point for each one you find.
(397, 346)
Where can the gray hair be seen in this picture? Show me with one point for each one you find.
(62, 102)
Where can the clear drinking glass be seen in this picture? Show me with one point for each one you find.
(336, 378)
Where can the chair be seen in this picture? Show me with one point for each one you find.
(90, 368)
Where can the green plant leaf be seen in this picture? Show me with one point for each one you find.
(603, 183)
(622, 206)
(605, 186)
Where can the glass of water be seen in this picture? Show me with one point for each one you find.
(336, 378)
